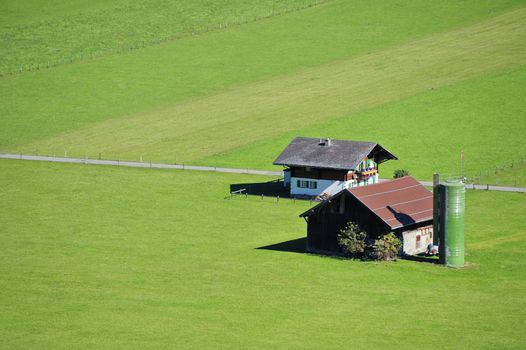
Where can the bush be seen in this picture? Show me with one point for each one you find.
(386, 247)
(352, 241)
(400, 173)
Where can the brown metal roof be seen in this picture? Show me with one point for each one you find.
(398, 202)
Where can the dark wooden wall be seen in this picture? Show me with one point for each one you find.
(314, 173)
(325, 224)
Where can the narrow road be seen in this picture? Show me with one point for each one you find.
(138, 164)
(207, 168)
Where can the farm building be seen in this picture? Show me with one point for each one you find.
(402, 206)
(323, 166)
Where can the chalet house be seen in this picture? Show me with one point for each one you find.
(324, 166)
(402, 206)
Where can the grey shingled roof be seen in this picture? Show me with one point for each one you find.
(340, 154)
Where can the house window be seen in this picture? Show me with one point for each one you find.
(307, 184)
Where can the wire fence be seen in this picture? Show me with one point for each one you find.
(198, 30)
(511, 173)
(510, 177)
(245, 196)
(134, 164)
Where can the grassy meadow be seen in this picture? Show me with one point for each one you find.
(209, 98)
(483, 116)
(105, 257)
(108, 257)
(35, 34)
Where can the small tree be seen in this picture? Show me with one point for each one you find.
(386, 247)
(400, 173)
(352, 241)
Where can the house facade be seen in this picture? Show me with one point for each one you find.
(315, 166)
(402, 206)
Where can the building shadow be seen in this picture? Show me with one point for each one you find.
(298, 245)
(273, 188)
(421, 258)
(401, 217)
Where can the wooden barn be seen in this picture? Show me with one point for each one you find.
(402, 206)
(324, 166)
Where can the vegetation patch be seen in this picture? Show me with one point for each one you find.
(354, 243)
(121, 257)
(95, 29)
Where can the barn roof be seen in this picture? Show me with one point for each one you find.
(398, 203)
(332, 154)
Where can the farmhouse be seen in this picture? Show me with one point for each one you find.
(402, 206)
(324, 166)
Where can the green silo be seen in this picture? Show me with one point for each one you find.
(454, 222)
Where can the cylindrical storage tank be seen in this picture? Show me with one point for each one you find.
(456, 198)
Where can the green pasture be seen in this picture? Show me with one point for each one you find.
(36, 34)
(202, 99)
(102, 257)
(108, 257)
(483, 116)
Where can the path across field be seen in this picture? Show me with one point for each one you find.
(206, 168)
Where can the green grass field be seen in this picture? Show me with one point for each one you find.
(198, 99)
(102, 257)
(33, 34)
(118, 258)
(483, 116)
